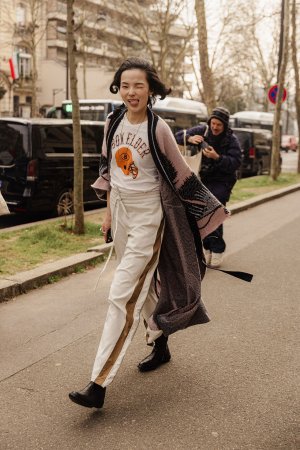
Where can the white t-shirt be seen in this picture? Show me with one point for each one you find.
(132, 165)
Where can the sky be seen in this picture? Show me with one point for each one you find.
(214, 13)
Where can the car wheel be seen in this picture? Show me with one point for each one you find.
(65, 203)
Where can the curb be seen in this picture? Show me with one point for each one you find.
(20, 283)
(259, 199)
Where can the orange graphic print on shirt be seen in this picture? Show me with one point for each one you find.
(125, 161)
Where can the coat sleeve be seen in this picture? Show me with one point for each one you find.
(190, 132)
(231, 161)
(102, 184)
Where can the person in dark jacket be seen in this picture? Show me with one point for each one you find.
(221, 157)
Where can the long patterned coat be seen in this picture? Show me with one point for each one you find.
(191, 213)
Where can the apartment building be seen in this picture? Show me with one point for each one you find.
(33, 41)
(16, 32)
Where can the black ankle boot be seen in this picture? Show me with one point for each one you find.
(92, 396)
(159, 355)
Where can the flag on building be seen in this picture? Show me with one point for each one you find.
(14, 66)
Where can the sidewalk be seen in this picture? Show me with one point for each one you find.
(14, 285)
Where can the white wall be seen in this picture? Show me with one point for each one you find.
(52, 75)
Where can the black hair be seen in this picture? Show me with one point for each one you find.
(157, 87)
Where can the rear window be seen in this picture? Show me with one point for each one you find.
(52, 139)
(13, 142)
(92, 137)
(58, 139)
(262, 139)
(244, 139)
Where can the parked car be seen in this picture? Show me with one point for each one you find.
(256, 145)
(37, 160)
(289, 142)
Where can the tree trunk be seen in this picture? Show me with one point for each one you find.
(275, 161)
(77, 140)
(84, 73)
(296, 70)
(34, 83)
(205, 69)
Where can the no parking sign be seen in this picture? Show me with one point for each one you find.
(272, 94)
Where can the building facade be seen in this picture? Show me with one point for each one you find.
(34, 60)
(16, 59)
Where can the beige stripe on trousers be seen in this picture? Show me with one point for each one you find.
(137, 225)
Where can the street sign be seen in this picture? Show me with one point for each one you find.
(272, 94)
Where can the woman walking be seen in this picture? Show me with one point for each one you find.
(158, 212)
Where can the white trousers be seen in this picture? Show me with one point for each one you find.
(137, 228)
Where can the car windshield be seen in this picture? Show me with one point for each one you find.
(13, 142)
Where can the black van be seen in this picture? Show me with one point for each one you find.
(256, 145)
(37, 159)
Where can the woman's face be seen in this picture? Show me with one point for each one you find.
(134, 90)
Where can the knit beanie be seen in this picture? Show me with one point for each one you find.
(221, 114)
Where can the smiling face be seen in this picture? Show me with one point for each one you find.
(135, 91)
(216, 126)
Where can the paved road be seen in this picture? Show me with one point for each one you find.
(232, 384)
(289, 162)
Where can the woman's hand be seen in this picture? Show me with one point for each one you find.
(106, 224)
(195, 140)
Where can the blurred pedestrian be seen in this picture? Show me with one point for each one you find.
(221, 157)
(157, 211)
